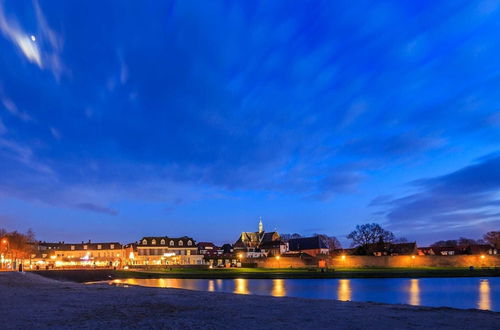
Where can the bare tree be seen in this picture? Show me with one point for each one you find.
(370, 233)
(446, 243)
(493, 238)
(330, 241)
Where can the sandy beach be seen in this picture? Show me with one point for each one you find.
(29, 300)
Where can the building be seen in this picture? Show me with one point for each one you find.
(209, 249)
(77, 255)
(259, 244)
(482, 249)
(390, 249)
(439, 251)
(310, 245)
(164, 250)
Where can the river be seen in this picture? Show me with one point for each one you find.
(467, 292)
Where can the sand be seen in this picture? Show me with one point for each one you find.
(28, 300)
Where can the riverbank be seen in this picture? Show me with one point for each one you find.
(265, 273)
(29, 301)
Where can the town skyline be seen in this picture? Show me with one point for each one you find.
(315, 116)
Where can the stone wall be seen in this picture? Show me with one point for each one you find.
(350, 261)
(415, 261)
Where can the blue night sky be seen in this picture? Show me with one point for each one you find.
(120, 119)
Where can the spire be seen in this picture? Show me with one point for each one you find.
(261, 226)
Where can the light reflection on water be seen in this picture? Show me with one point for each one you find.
(484, 295)
(451, 292)
(241, 286)
(414, 292)
(344, 290)
(278, 288)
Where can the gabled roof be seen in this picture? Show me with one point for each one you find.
(89, 246)
(204, 245)
(269, 236)
(306, 243)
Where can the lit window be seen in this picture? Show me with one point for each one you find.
(144, 242)
(153, 242)
(72, 247)
(162, 242)
(85, 247)
(190, 243)
(99, 246)
(181, 243)
(171, 243)
(112, 246)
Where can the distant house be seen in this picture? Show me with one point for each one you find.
(227, 248)
(439, 251)
(390, 249)
(259, 244)
(310, 245)
(481, 249)
(209, 249)
(457, 250)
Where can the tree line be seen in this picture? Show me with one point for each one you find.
(373, 233)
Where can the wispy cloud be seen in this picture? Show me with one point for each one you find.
(43, 49)
(469, 196)
(11, 29)
(12, 108)
(96, 208)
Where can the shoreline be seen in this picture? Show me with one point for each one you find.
(93, 275)
(29, 300)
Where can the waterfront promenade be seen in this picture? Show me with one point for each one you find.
(28, 300)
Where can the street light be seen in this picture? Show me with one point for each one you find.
(278, 259)
(6, 242)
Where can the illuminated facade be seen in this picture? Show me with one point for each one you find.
(163, 250)
(77, 255)
(259, 244)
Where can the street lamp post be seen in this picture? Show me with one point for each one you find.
(278, 259)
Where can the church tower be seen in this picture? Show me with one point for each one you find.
(261, 226)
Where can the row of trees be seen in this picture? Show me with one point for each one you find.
(491, 238)
(373, 233)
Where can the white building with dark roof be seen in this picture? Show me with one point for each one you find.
(164, 250)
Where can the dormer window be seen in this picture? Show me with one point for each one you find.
(144, 242)
(171, 243)
(153, 242)
(85, 247)
(190, 243)
(72, 247)
(162, 242)
(112, 246)
(99, 246)
(181, 243)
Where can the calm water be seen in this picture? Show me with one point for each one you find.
(482, 293)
